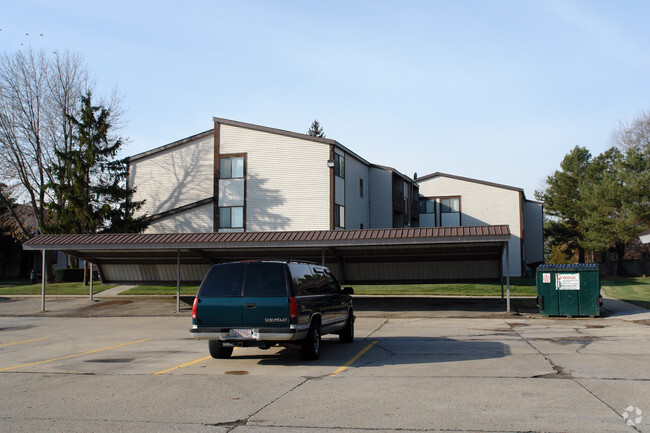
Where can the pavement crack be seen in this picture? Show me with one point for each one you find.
(560, 372)
(231, 424)
(377, 330)
(306, 379)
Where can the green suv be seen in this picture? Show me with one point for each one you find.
(271, 303)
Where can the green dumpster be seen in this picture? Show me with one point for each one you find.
(568, 290)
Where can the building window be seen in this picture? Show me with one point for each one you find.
(339, 216)
(360, 187)
(449, 205)
(231, 217)
(231, 167)
(339, 165)
(427, 205)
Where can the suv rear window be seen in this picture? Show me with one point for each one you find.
(223, 281)
(265, 279)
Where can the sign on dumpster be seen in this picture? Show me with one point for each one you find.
(567, 281)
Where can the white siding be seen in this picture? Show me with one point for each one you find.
(231, 192)
(356, 207)
(482, 204)
(287, 181)
(197, 220)
(381, 198)
(175, 177)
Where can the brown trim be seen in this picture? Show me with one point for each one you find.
(181, 209)
(168, 146)
(467, 179)
(332, 188)
(245, 156)
(215, 180)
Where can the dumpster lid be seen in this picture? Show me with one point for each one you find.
(570, 267)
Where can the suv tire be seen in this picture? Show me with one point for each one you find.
(218, 350)
(310, 349)
(347, 334)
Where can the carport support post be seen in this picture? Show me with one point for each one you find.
(508, 276)
(91, 280)
(43, 284)
(178, 281)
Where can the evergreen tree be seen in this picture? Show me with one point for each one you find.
(90, 182)
(563, 201)
(316, 130)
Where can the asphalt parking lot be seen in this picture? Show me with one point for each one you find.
(417, 368)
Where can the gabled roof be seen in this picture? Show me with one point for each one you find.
(247, 126)
(467, 179)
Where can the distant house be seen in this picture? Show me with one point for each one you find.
(645, 237)
(448, 200)
(240, 177)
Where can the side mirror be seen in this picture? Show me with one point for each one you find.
(348, 291)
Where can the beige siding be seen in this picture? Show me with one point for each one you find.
(287, 180)
(197, 220)
(231, 192)
(482, 204)
(174, 177)
(357, 212)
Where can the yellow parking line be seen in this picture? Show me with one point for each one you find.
(185, 365)
(350, 362)
(72, 356)
(21, 342)
(182, 365)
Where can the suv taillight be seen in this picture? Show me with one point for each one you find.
(194, 305)
(293, 308)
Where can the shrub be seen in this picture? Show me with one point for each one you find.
(71, 275)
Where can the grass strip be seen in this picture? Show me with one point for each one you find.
(635, 290)
(52, 289)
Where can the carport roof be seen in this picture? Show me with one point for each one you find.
(215, 247)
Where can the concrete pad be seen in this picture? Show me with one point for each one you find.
(140, 399)
(621, 394)
(425, 403)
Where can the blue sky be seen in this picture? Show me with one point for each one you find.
(494, 90)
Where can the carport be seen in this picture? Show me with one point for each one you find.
(371, 256)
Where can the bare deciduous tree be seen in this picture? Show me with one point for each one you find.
(635, 134)
(39, 93)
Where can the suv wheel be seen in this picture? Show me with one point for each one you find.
(311, 344)
(218, 350)
(347, 334)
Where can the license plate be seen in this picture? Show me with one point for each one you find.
(244, 333)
